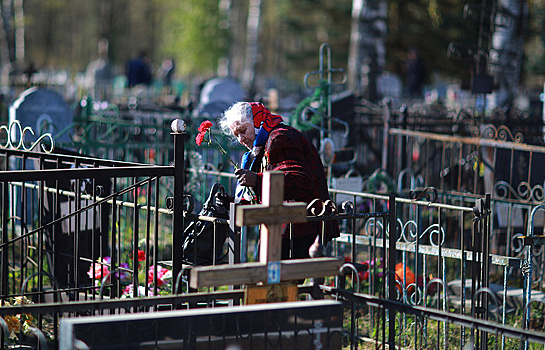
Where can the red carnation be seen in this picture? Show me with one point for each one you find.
(207, 124)
(200, 137)
(141, 255)
(204, 128)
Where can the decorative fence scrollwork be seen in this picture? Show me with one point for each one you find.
(501, 133)
(16, 129)
(524, 192)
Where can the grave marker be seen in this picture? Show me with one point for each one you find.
(45, 111)
(271, 214)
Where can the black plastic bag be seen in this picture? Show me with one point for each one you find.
(199, 235)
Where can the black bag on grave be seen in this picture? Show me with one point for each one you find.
(199, 243)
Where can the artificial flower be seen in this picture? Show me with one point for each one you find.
(100, 270)
(404, 274)
(123, 275)
(13, 323)
(364, 275)
(141, 255)
(140, 291)
(161, 275)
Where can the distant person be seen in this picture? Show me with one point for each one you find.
(415, 71)
(139, 70)
(168, 68)
(100, 72)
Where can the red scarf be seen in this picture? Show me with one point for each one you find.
(264, 120)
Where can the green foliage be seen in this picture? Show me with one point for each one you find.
(430, 26)
(430, 334)
(195, 34)
(307, 24)
(379, 182)
(314, 101)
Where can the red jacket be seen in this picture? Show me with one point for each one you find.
(291, 152)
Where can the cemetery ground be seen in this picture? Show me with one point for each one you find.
(439, 249)
(369, 322)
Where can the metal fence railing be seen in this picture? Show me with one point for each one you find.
(77, 232)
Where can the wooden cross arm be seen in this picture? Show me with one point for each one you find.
(268, 215)
(251, 273)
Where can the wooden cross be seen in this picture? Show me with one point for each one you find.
(271, 214)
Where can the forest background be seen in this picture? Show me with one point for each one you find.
(204, 36)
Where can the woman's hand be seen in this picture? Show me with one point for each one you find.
(246, 177)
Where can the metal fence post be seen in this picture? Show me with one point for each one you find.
(5, 239)
(391, 267)
(530, 240)
(177, 215)
(386, 134)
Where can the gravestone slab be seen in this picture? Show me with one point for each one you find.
(217, 95)
(292, 325)
(45, 111)
(354, 184)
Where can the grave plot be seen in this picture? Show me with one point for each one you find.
(270, 214)
(81, 229)
(433, 243)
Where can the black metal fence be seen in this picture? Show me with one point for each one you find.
(78, 232)
(76, 228)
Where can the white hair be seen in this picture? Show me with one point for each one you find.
(239, 112)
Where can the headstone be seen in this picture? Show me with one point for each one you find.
(45, 111)
(353, 184)
(217, 95)
(295, 325)
(221, 90)
(389, 85)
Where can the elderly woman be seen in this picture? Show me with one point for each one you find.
(273, 145)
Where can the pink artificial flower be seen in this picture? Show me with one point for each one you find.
(161, 272)
(99, 271)
(140, 291)
(127, 290)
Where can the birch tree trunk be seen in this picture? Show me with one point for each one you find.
(252, 33)
(5, 60)
(367, 52)
(19, 32)
(508, 48)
